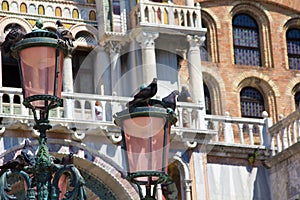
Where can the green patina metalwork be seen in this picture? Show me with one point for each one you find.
(38, 178)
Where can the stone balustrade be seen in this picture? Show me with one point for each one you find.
(79, 107)
(285, 132)
(166, 14)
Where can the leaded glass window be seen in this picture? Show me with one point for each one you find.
(297, 100)
(246, 40)
(293, 48)
(252, 102)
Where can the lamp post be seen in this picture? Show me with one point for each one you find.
(40, 55)
(146, 139)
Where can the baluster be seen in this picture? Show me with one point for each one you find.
(185, 18)
(180, 116)
(171, 13)
(250, 126)
(295, 131)
(289, 138)
(103, 103)
(241, 133)
(190, 15)
(82, 110)
(273, 146)
(283, 138)
(261, 135)
(24, 110)
(1, 103)
(143, 11)
(228, 132)
(278, 142)
(198, 22)
(191, 122)
(11, 103)
(93, 109)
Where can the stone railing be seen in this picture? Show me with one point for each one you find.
(285, 132)
(237, 130)
(79, 107)
(168, 15)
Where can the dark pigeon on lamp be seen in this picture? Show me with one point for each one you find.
(170, 100)
(17, 163)
(15, 34)
(68, 159)
(144, 95)
(28, 154)
(64, 34)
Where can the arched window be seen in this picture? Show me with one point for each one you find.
(23, 8)
(293, 48)
(246, 40)
(32, 9)
(207, 99)
(252, 102)
(85, 37)
(41, 10)
(58, 11)
(297, 100)
(92, 15)
(75, 14)
(5, 6)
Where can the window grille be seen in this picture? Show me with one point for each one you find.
(246, 41)
(252, 103)
(293, 48)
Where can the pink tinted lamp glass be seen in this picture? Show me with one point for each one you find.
(144, 138)
(38, 70)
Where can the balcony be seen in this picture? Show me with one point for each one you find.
(186, 19)
(78, 111)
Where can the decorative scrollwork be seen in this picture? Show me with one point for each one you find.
(5, 187)
(76, 182)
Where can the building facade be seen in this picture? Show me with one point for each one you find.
(239, 59)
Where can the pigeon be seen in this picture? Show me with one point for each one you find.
(17, 163)
(143, 96)
(170, 100)
(15, 34)
(64, 34)
(28, 154)
(68, 159)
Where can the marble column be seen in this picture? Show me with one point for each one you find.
(101, 68)
(115, 65)
(68, 86)
(195, 75)
(146, 40)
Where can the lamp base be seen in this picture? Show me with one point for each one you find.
(153, 179)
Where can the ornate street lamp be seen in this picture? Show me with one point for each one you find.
(40, 55)
(146, 139)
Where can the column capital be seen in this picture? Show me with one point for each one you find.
(146, 39)
(195, 40)
(112, 46)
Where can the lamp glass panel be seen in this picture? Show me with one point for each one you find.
(38, 70)
(144, 137)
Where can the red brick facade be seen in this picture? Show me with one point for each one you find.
(273, 79)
